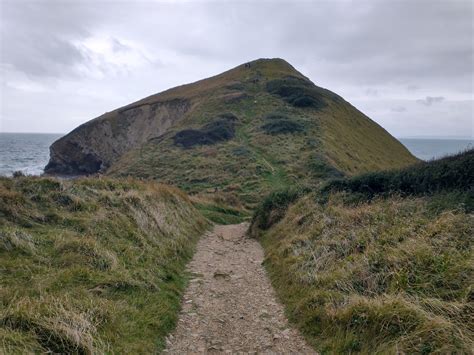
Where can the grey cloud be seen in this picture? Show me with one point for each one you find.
(430, 100)
(38, 38)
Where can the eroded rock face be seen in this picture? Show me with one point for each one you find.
(95, 145)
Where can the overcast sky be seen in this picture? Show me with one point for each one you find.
(406, 64)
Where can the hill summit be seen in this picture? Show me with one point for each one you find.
(253, 128)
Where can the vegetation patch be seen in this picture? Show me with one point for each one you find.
(220, 130)
(282, 126)
(274, 206)
(298, 92)
(92, 265)
(453, 173)
(221, 208)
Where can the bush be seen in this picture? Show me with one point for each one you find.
(274, 206)
(217, 131)
(453, 173)
(298, 92)
(18, 173)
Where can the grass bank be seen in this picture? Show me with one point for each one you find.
(384, 272)
(92, 265)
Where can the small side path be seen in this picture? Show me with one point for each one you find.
(230, 305)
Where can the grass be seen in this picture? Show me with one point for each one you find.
(387, 274)
(92, 265)
(221, 207)
(282, 127)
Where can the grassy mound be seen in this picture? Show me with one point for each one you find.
(91, 265)
(387, 274)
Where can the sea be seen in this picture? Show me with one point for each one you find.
(25, 152)
(29, 152)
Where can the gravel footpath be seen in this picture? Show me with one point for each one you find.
(230, 306)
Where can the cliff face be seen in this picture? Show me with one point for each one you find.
(254, 128)
(95, 145)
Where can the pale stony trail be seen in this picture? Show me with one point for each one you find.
(230, 305)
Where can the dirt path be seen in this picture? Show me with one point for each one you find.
(230, 306)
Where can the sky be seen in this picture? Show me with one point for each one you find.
(407, 64)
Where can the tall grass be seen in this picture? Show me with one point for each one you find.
(389, 272)
(382, 277)
(91, 265)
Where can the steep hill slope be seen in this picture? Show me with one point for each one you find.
(258, 126)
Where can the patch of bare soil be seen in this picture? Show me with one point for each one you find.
(230, 305)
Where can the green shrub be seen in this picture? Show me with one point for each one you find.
(297, 92)
(453, 173)
(274, 206)
(214, 132)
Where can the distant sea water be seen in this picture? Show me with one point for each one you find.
(29, 152)
(26, 152)
(428, 149)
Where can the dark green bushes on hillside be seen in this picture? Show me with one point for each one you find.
(280, 123)
(453, 173)
(297, 92)
(220, 130)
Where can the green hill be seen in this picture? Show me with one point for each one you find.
(377, 263)
(254, 128)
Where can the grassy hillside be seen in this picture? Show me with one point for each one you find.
(260, 127)
(91, 265)
(377, 263)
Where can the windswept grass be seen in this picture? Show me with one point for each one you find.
(91, 265)
(380, 277)
(392, 273)
(221, 207)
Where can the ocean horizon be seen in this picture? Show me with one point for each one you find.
(29, 152)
